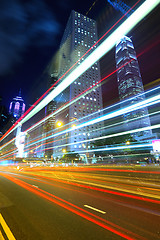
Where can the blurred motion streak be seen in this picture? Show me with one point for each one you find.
(77, 210)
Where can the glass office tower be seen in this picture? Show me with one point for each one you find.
(130, 87)
(80, 34)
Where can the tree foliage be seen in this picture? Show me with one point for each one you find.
(114, 140)
(68, 157)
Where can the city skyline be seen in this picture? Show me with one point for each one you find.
(83, 160)
(29, 78)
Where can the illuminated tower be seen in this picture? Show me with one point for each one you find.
(79, 35)
(130, 86)
(17, 106)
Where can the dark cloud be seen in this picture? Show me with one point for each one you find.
(64, 4)
(25, 24)
(42, 26)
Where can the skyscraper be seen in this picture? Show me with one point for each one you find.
(17, 106)
(80, 34)
(130, 86)
(52, 71)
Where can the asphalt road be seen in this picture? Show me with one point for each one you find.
(79, 203)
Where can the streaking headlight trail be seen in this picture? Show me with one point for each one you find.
(145, 103)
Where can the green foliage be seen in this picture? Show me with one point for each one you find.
(68, 157)
(114, 140)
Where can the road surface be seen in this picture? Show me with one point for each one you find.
(79, 203)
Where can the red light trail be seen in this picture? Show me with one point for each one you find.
(77, 210)
(145, 199)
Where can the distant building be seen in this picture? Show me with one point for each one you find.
(51, 77)
(130, 86)
(80, 34)
(17, 106)
(52, 71)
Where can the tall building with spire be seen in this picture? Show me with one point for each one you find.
(130, 87)
(79, 36)
(17, 106)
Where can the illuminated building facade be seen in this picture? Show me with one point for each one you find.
(80, 34)
(130, 86)
(17, 106)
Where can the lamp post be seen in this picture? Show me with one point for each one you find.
(127, 143)
(64, 150)
(59, 123)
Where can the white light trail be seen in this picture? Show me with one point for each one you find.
(107, 136)
(101, 50)
(133, 107)
(132, 146)
(148, 145)
(92, 114)
(139, 14)
(142, 104)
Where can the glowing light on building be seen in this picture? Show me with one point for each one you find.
(17, 107)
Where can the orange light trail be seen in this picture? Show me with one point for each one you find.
(81, 169)
(77, 210)
(145, 199)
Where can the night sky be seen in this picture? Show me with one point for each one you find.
(30, 33)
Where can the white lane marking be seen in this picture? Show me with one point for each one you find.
(95, 209)
(35, 186)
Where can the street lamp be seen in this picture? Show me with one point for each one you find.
(64, 150)
(59, 124)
